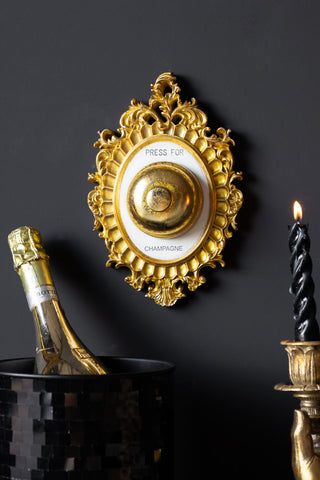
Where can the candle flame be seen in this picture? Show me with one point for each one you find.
(297, 211)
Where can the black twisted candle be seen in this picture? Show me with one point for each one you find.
(302, 286)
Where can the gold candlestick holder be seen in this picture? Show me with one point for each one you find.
(304, 372)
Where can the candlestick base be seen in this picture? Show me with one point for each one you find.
(304, 372)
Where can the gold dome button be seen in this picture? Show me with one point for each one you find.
(158, 199)
(164, 199)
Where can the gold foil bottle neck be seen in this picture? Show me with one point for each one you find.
(26, 246)
(58, 348)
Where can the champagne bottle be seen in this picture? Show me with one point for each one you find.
(58, 349)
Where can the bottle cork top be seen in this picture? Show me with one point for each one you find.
(26, 246)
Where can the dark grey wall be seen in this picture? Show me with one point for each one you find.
(71, 68)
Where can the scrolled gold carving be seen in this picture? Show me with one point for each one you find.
(165, 115)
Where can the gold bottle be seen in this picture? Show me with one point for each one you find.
(58, 349)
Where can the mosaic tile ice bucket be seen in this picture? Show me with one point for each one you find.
(114, 427)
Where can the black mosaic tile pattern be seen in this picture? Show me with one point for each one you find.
(117, 427)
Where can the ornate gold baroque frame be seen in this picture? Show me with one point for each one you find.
(166, 118)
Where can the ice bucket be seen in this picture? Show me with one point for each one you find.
(110, 427)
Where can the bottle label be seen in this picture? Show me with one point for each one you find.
(41, 294)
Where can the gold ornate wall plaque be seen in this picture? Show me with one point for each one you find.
(165, 199)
